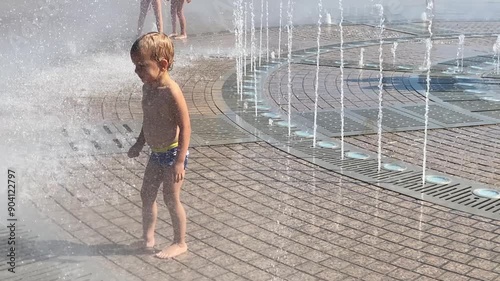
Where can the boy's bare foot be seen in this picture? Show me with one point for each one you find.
(182, 36)
(172, 251)
(173, 35)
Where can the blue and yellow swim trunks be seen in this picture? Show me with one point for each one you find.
(166, 156)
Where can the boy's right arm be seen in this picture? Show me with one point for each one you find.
(137, 147)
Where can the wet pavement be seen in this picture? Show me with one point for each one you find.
(263, 205)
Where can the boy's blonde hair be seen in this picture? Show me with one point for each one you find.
(157, 45)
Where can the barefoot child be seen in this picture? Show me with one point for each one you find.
(166, 129)
(145, 4)
(177, 11)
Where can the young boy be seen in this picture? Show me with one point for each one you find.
(177, 11)
(145, 4)
(166, 129)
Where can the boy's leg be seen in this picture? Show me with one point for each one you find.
(171, 195)
(150, 185)
(144, 7)
(158, 15)
(182, 19)
(173, 16)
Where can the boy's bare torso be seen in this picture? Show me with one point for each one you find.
(160, 125)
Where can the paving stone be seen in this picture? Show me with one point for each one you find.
(253, 212)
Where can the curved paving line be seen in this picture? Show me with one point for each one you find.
(247, 111)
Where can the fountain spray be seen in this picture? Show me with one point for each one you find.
(316, 81)
(328, 18)
(279, 31)
(261, 29)
(460, 53)
(235, 22)
(393, 51)
(245, 27)
(430, 9)
(242, 50)
(267, 31)
(361, 57)
(430, 15)
(290, 40)
(380, 85)
(342, 109)
(252, 38)
(496, 50)
(237, 14)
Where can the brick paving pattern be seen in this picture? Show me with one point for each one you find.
(256, 212)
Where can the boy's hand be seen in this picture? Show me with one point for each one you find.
(179, 171)
(135, 150)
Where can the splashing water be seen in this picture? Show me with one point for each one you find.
(236, 46)
(241, 46)
(245, 27)
(393, 51)
(253, 47)
(342, 109)
(430, 15)
(279, 31)
(316, 80)
(328, 18)
(380, 85)
(361, 62)
(496, 50)
(238, 26)
(267, 31)
(256, 98)
(289, 28)
(430, 7)
(261, 29)
(460, 53)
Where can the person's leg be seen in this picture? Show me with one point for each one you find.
(173, 15)
(151, 183)
(171, 195)
(158, 15)
(182, 19)
(144, 7)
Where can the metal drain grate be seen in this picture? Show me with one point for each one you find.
(444, 115)
(391, 119)
(492, 114)
(418, 29)
(457, 195)
(455, 96)
(216, 131)
(478, 105)
(469, 61)
(101, 138)
(330, 120)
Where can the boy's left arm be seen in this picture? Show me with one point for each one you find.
(182, 117)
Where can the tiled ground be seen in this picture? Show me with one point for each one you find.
(257, 213)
